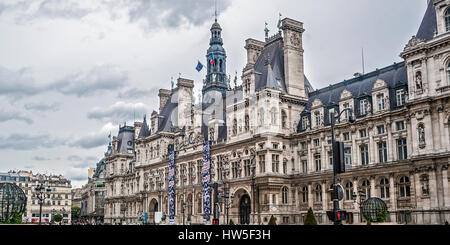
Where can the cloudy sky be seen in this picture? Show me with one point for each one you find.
(71, 71)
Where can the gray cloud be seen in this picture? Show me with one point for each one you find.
(137, 93)
(9, 115)
(99, 78)
(42, 107)
(76, 174)
(29, 142)
(61, 9)
(74, 158)
(173, 13)
(40, 158)
(19, 83)
(118, 112)
(94, 139)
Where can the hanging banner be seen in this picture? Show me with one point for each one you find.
(171, 185)
(206, 181)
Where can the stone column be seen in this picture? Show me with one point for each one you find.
(433, 188)
(445, 186)
(416, 186)
(392, 198)
(372, 186)
(310, 196)
(372, 145)
(390, 142)
(324, 196)
(296, 198)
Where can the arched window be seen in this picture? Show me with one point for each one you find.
(305, 194)
(284, 195)
(365, 186)
(447, 20)
(318, 193)
(384, 188)
(448, 73)
(283, 119)
(404, 187)
(348, 191)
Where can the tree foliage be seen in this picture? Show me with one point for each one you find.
(231, 222)
(272, 221)
(310, 219)
(57, 217)
(76, 212)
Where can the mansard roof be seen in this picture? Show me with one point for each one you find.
(144, 132)
(271, 76)
(428, 25)
(166, 122)
(394, 75)
(126, 134)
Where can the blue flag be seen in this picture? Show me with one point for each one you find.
(199, 66)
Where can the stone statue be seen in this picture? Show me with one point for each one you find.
(421, 130)
(266, 30)
(214, 78)
(419, 81)
(369, 108)
(279, 23)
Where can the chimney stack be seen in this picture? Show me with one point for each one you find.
(164, 95)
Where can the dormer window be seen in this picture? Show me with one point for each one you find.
(304, 122)
(363, 107)
(400, 97)
(347, 112)
(447, 20)
(381, 102)
(317, 118)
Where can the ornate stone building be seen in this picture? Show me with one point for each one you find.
(271, 137)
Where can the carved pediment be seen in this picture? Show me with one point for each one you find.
(413, 42)
(316, 103)
(379, 83)
(346, 94)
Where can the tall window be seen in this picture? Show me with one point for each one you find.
(447, 20)
(317, 118)
(363, 107)
(274, 115)
(262, 163)
(247, 167)
(346, 136)
(400, 125)
(305, 194)
(384, 188)
(305, 166)
(348, 156)
(284, 195)
(304, 122)
(318, 162)
(348, 191)
(400, 97)
(363, 133)
(365, 186)
(283, 119)
(448, 72)
(347, 112)
(234, 127)
(247, 122)
(285, 167)
(402, 149)
(235, 170)
(330, 159)
(380, 129)
(381, 102)
(316, 142)
(275, 163)
(382, 151)
(404, 186)
(364, 154)
(318, 193)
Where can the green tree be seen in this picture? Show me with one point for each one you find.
(57, 217)
(231, 222)
(310, 219)
(272, 221)
(369, 222)
(446, 222)
(76, 212)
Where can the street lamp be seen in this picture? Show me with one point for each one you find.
(361, 194)
(227, 202)
(40, 193)
(333, 142)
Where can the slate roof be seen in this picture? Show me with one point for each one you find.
(273, 76)
(428, 25)
(166, 121)
(126, 134)
(394, 75)
(145, 131)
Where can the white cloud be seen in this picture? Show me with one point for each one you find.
(119, 112)
(94, 139)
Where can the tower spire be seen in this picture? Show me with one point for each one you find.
(215, 12)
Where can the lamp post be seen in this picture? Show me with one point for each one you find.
(333, 142)
(40, 193)
(226, 198)
(361, 193)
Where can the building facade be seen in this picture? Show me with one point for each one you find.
(57, 200)
(271, 137)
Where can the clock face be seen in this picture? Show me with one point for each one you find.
(130, 143)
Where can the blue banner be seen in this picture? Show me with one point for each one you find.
(171, 185)
(206, 181)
